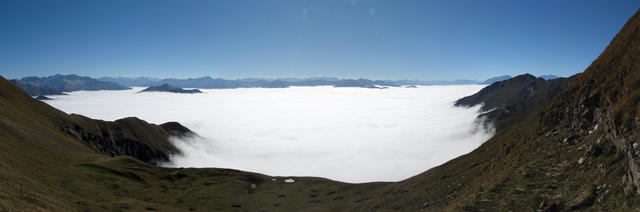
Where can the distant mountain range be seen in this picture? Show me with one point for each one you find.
(57, 84)
(169, 88)
(218, 83)
(68, 83)
(35, 90)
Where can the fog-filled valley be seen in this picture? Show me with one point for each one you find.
(345, 134)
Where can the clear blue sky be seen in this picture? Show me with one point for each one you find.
(448, 39)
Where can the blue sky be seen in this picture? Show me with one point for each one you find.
(429, 40)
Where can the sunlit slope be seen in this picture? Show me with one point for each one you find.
(578, 152)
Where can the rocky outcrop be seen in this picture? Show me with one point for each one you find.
(128, 136)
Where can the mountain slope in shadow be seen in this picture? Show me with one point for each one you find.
(510, 101)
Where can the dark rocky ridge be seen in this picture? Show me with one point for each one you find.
(169, 88)
(510, 101)
(128, 136)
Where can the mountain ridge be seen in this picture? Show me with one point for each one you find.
(219, 83)
(35, 90)
(72, 82)
(510, 101)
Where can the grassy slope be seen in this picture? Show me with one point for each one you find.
(554, 160)
(46, 170)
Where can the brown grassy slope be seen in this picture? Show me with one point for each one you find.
(44, 168)
(578, 152)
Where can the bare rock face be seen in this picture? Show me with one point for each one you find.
(128, 136)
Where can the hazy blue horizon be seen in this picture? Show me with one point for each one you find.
(416, 40)
(266, 78)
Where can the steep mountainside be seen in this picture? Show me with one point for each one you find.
(579, 152)
(128, 136)
(68, 83)
(35, 90)
(509, 101)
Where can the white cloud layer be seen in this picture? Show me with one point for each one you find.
(346, 134)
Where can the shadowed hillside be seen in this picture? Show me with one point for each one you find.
(509, 101)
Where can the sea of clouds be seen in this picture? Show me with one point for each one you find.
(346, 134)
